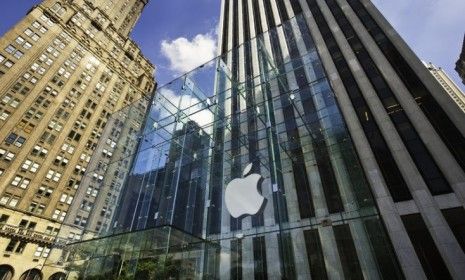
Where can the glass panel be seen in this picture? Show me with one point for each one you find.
(185, 159)
(426, 250)
(454, 217)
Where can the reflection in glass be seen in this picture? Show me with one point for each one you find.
(179, 148)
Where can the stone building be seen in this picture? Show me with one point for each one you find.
(460, 65)
(448, 84)
(64, 69)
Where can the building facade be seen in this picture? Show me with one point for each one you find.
(405, 130)
(64, 69)
(448, 84)
(460, 65)
(359, 154)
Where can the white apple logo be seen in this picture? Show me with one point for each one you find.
(242, 196)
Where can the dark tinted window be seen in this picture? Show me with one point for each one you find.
(259, 257)
(426, 250)
(391, 173)
(455, 217)
(236, 259)
(384, 253)
(315, 255)
(449, 133)
(347, 252)
(424, 161)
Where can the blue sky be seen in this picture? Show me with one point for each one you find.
(177, 35)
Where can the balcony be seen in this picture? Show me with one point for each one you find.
(31, 236)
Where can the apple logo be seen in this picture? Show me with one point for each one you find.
(242, 196)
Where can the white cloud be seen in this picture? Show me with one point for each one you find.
(191, 106)
(185, 55)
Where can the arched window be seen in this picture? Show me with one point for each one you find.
(6, 272)
(58, 276)
(31, 274)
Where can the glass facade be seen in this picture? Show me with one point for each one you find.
(259, 107)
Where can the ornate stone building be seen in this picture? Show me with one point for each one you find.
(64, 69)
(448, 84)
(460, 65)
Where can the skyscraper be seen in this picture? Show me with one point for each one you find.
(64, 69)
(360, 155)
(460, 65)
(448, 84)
(408, 134)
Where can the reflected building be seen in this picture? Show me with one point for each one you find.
(175, 192)
(361, 155)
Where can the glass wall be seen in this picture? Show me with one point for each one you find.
(249, 156)
(157, 253)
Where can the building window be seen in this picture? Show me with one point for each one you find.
(6, 155)
(16, 246)
(54, 125)
(34, 36)
(36, 68)
(10, 49)
(9, 199)
(59, 215)
(47, 137)
(60, 161)
(58, 9)
(86, 205)
(22, 42)
(39, 27)
(84, 157)
(74, 236)
(347, 252)
(455, 219)
(8, 99)
(8, 64)
(20, 182)
(66, 198)
(259, 255)
(14, 52)
(426, 249)
(79, 170)
(18, 54)
(11, 138)
(3, 219)
(315, 254)
(4, 115)
(51, 230)
(42, 252)
(45, 191)
(46, 20)
(53, 175)
(78, 19)
(68, 148)
(36, 208)
(39, 151)
(73, 183)
(80, 221)
(92, 191)
(31, 166)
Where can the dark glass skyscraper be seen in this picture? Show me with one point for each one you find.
(408, 136)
